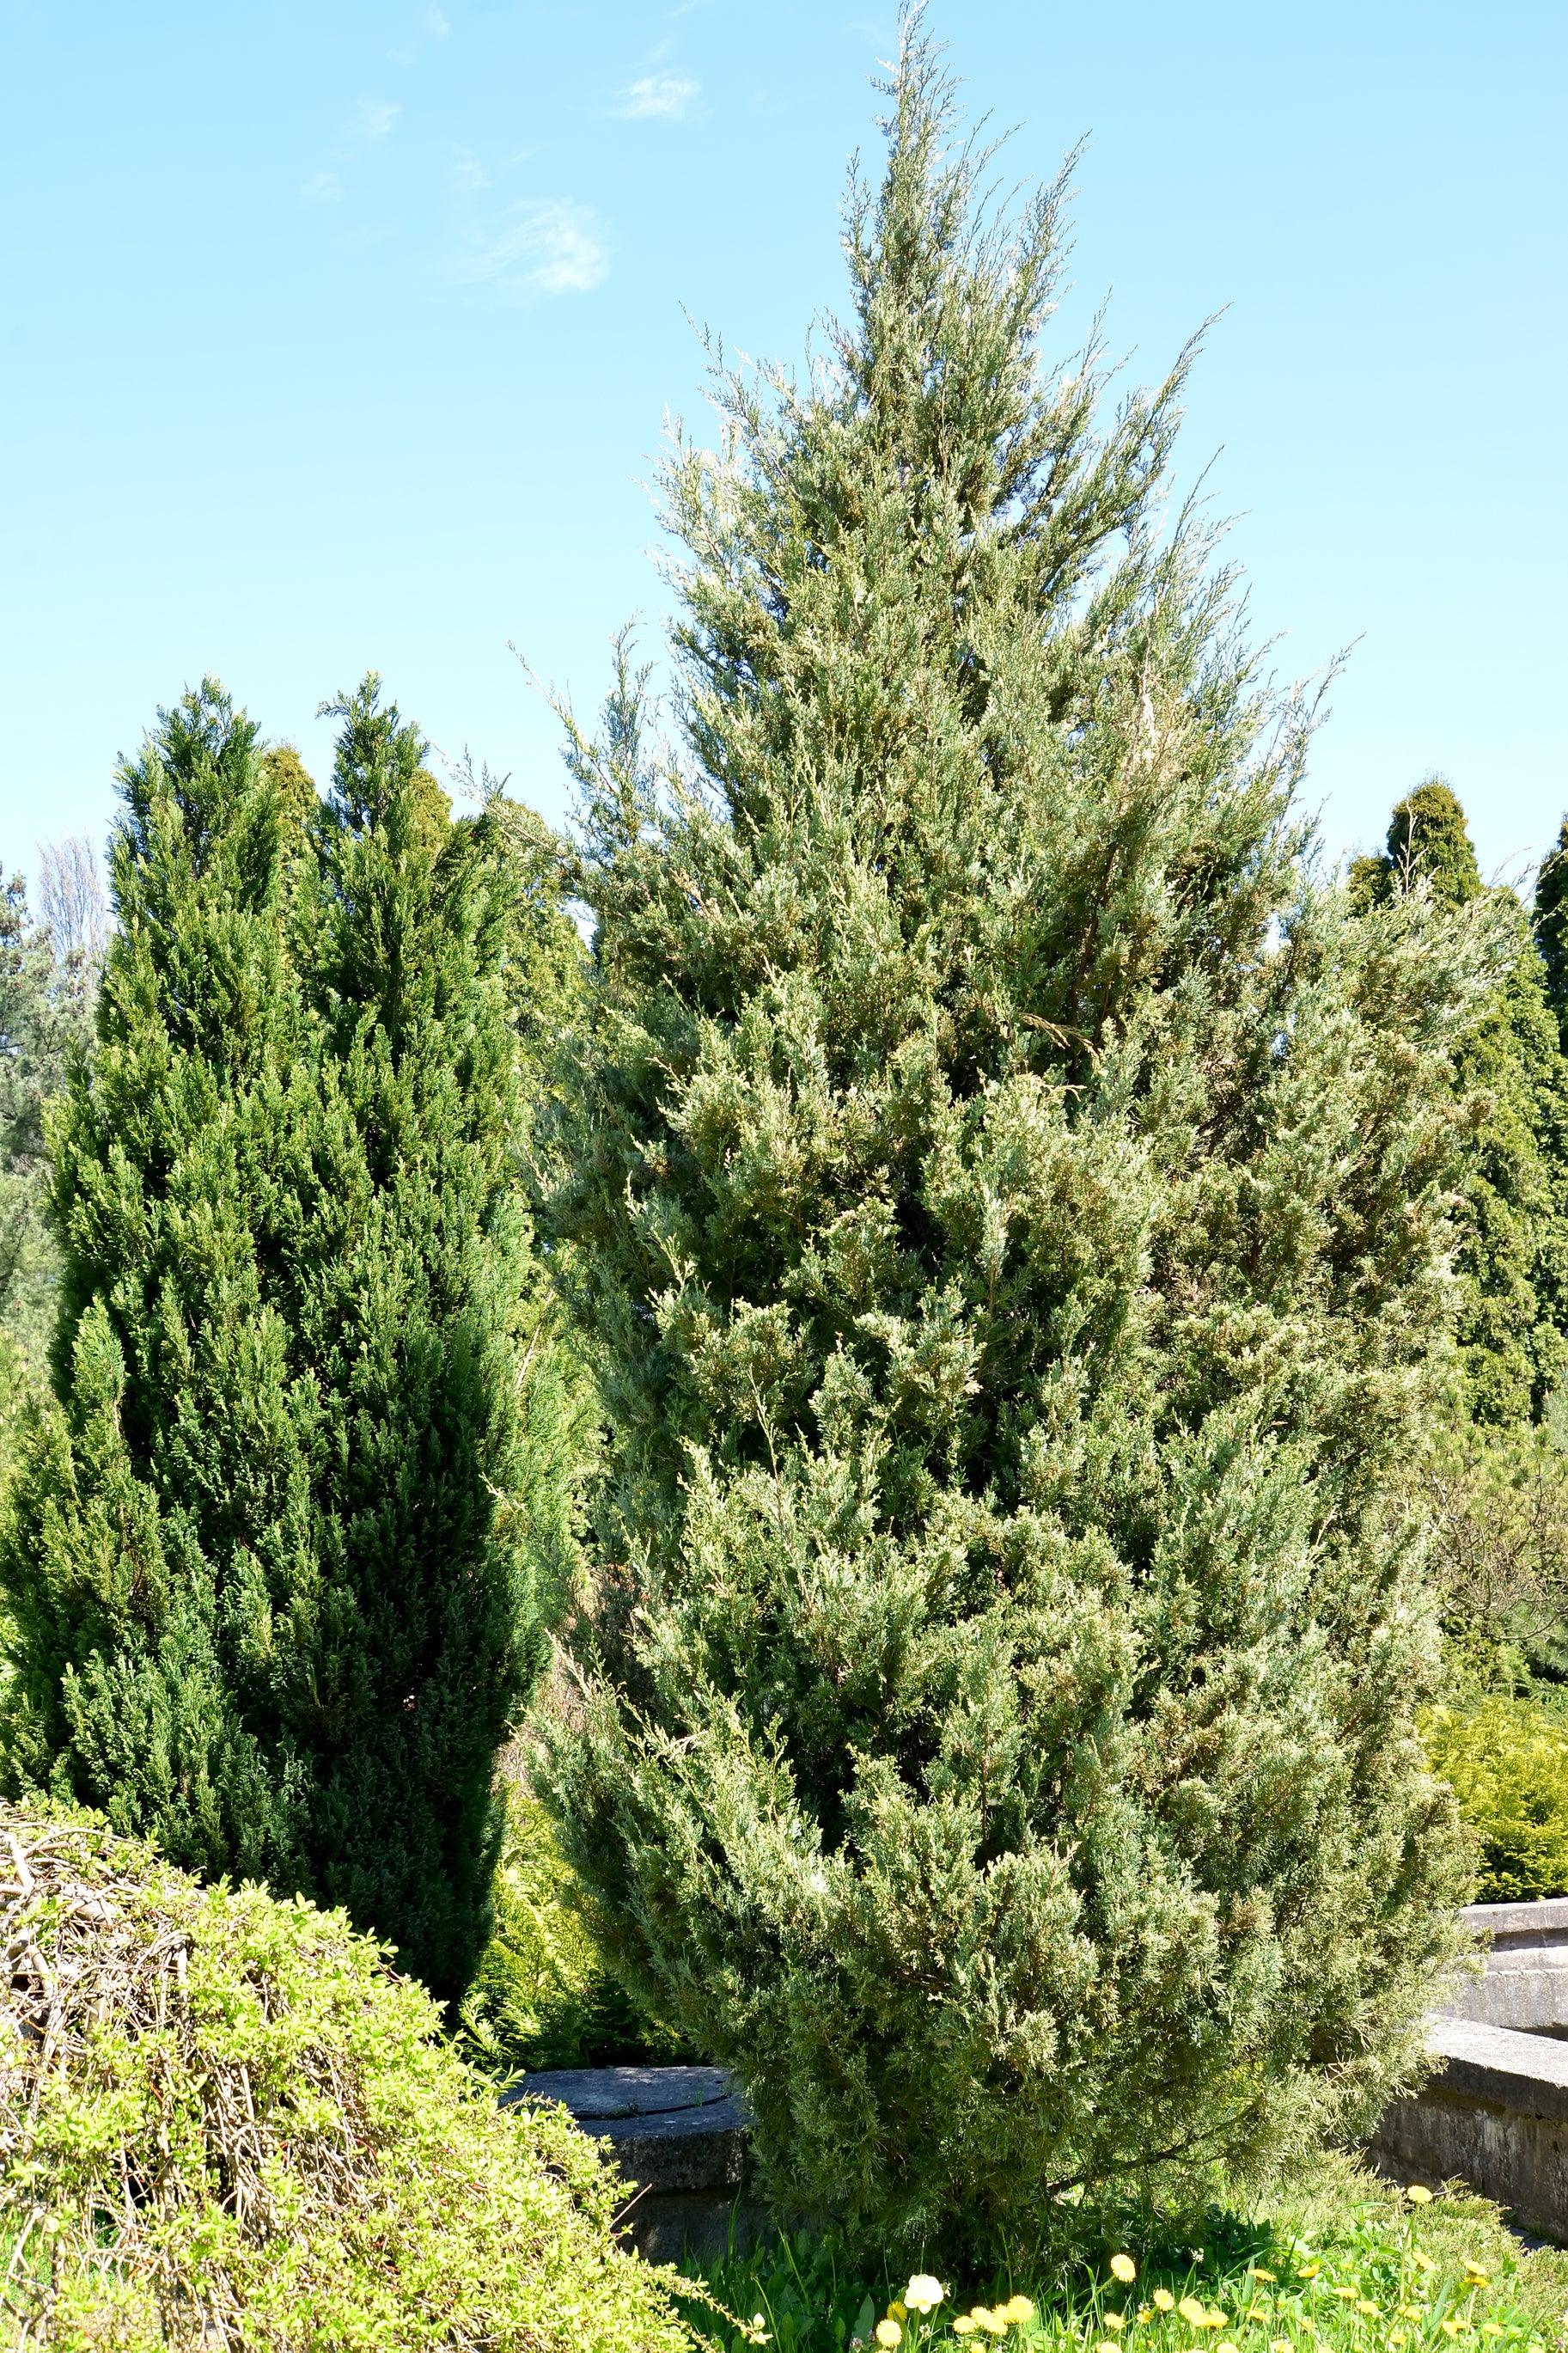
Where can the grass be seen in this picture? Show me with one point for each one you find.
(1347, 2265)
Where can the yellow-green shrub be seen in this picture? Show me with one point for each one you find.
(1508, 1763)
(225, 2122)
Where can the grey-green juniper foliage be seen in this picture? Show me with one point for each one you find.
(271, 1564)
(1008, 1220)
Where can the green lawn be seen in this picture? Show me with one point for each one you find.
(1347, 2265)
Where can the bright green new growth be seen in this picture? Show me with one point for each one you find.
(272, 1565)
(1506, 1762)
(225, 2123)
(1008, 1221)
(1511, 1080)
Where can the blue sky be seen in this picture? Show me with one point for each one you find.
(336, 335)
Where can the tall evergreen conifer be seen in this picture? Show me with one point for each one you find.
(1551, 924)
(272, 1592)
(1008, 1222)
(1511, 1080)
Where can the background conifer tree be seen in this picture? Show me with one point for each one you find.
(50, 965)
(272, 1578)
(1511, 1079)
(1551, 923)
(1007, 1222)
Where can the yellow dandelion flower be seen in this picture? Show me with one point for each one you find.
(1281, 2345)
(1451, 2327)
(995, 2323)
(1491, 2329)
(1146, 2312)
(1396, 2338)
(1115, 2321)
(924, 2293)
(888, 2332)
(1418, 2194)
(1019, 2310)
(1258, 2271)
(1475, 2276)
(1363, 2303)
(1163, 2300)
(965, 2324)
(1345, 2295)
(1226, 2346)
(1106, 2344)
(1122, 2267)
(1214, 2317)
(1422, 2260)
(1192, 2312)
(1311, 2271)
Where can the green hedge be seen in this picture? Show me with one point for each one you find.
(1508, 1763)
(224, 2122)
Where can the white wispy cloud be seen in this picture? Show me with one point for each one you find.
(437, 23)
(321, 188)
(659, 97)
(556, 248)
(375, 119)
(472, 174)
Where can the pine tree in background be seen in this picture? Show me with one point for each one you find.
(1511, 1079)
(49, 981)
(271, 1583)
(1008, 1220)
(1552, 926)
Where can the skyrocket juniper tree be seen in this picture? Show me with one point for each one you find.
(1551, 929)
(272, 1581)
(1007, 1219)
(1511, 1080)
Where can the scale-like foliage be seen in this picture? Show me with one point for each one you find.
(1511, 1080)
(272, 1578)
(1008, 1219)
(1550, 927)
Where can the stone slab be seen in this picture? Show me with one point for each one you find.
(1523, 1950)
(1503, 1928)
(594, 2092)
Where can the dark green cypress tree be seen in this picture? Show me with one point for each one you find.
(1552, 926)
(1511, 1080)
(271, 1578)
(1007, 1216)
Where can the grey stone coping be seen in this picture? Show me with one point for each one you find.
(1512, 1927)
(1525, 2073)
(596, 2092)
(667, 2128)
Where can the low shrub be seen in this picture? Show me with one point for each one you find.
(1507, 1760)
(225, 2123)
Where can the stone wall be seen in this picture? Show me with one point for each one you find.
(1494, 2111)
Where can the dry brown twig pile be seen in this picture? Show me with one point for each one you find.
(92, 1970)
